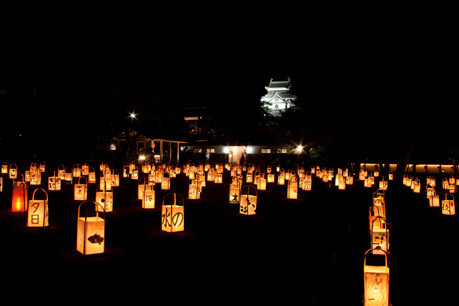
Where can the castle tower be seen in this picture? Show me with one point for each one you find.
(279, 97)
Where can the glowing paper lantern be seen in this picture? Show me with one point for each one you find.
(248, 203)
(80, 190)
(292, 188)
(376, 283)
(91, 175)
(148, 200)
(105, 200)
(194, 190)
(4, 168)
(379, 237)
(235, 193)
(447, 205)
(271, 178)
(91, 231)
(218, 178)
(261, 183)
(166, 183)
(76, 171)
(13, 173)
(38, 211)
(20, 197)
(1, 183)
(434, 198)
(54, 182)
(172, 216)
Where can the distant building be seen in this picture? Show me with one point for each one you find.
(279, 98)
(196, 118)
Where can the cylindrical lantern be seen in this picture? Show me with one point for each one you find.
(20, 197)
(80, 190)
(172, 216)
(248, 203)
(447, 205)
(38, 211)
(376, 282)
(292, 187)
(91, 231)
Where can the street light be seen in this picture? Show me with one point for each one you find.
(299, 149)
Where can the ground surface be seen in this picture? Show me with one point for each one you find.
(300, 252)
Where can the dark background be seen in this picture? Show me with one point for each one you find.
(360, 78)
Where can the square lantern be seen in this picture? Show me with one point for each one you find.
(194, 190)
(261, 183)
(148, 200)
(165, 183)
(376, 282)
(434, 198)
(54, 183)
(447, 205)
(218, 178)
(248, 202)
(80, 190)
(76, 171)
(38, 211)
(20, 197)
(13, 172)
(91, 231)
(172, 215)
(271, 178)
(292, 188)
(234, 193)
(1, 183)
(4, 168)
(105, 200)
(91, 176)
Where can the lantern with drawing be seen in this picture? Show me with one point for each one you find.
(20, 197)
(248, 202)
(91, 230)
(292, 187)
(376, 281)
(172, 215)
(105, 199)
(235, 192)
(76, 171)
(13, 173)
(38, 211)
(379, 236)
(447, 205)
(434, 198)
(194, 190)
(80, 190)
(54, 182)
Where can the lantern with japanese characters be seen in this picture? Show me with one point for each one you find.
(248, 202)
(38, 211)
(447, 205)
(20, 197)
(54, 182)
(172, 215)
(148, 200)
(166, 182)
(80, 190)
(292, 187)
(376, 282)
(90, 230)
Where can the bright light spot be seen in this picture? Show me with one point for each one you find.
(376, 290)
(299, 148)
(132, 115)
(249, 150)
(142, 157)
(226, 150)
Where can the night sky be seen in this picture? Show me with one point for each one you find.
(63, 79)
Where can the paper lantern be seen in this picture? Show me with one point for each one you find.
(37, 215)
(105, 200)
(91, 231)
(292, 188)
(20, 197)
(383, 184)
(434, 198)
(376, 282)
(248, 202)
(80, 190)
(172, 216)
(148, 200)
(271, 178)
(85, 169)
(1, 183)
(261, 184)
(166, 183)
(379, 236)
(13, 172)
(447, 205)
(194, 190)
(4, 168)
(218, 178)
(235, 192)
(76, 171)
(281, 178)
(54, 182)
(91, 175)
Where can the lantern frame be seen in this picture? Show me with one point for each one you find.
(376, 281)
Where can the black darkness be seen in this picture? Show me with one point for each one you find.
(68, 87)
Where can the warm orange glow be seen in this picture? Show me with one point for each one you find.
(18, 204)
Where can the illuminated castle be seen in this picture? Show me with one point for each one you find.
(279, 97)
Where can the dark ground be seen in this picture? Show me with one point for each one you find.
(294, 252)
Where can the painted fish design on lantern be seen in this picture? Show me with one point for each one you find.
(96, 238)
